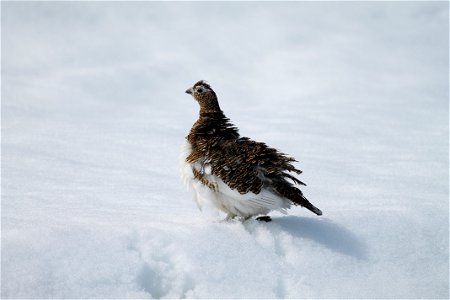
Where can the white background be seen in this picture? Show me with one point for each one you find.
(94, 113)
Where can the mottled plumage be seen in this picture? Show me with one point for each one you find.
(239, 176)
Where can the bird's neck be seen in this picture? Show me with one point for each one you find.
(211, 127)
(210, 106)
(211, 115)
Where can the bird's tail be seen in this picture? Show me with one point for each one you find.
(311, 207)
(296, 196)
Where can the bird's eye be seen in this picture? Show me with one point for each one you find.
(200, 90)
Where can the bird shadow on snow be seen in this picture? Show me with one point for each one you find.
(325, 232)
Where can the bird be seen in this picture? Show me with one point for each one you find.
(236, 175)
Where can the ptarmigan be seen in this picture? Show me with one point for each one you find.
(238, 176)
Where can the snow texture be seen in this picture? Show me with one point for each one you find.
(94, 114)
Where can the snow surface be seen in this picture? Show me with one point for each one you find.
(94, 113)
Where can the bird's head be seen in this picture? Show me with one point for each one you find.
(205, 96)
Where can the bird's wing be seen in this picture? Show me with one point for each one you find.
(248, 166)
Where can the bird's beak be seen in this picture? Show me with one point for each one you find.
(189, 91)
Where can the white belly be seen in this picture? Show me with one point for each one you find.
(223, 197)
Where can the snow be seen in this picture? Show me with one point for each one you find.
(94, 114)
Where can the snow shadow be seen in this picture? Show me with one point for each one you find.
(325, 232)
